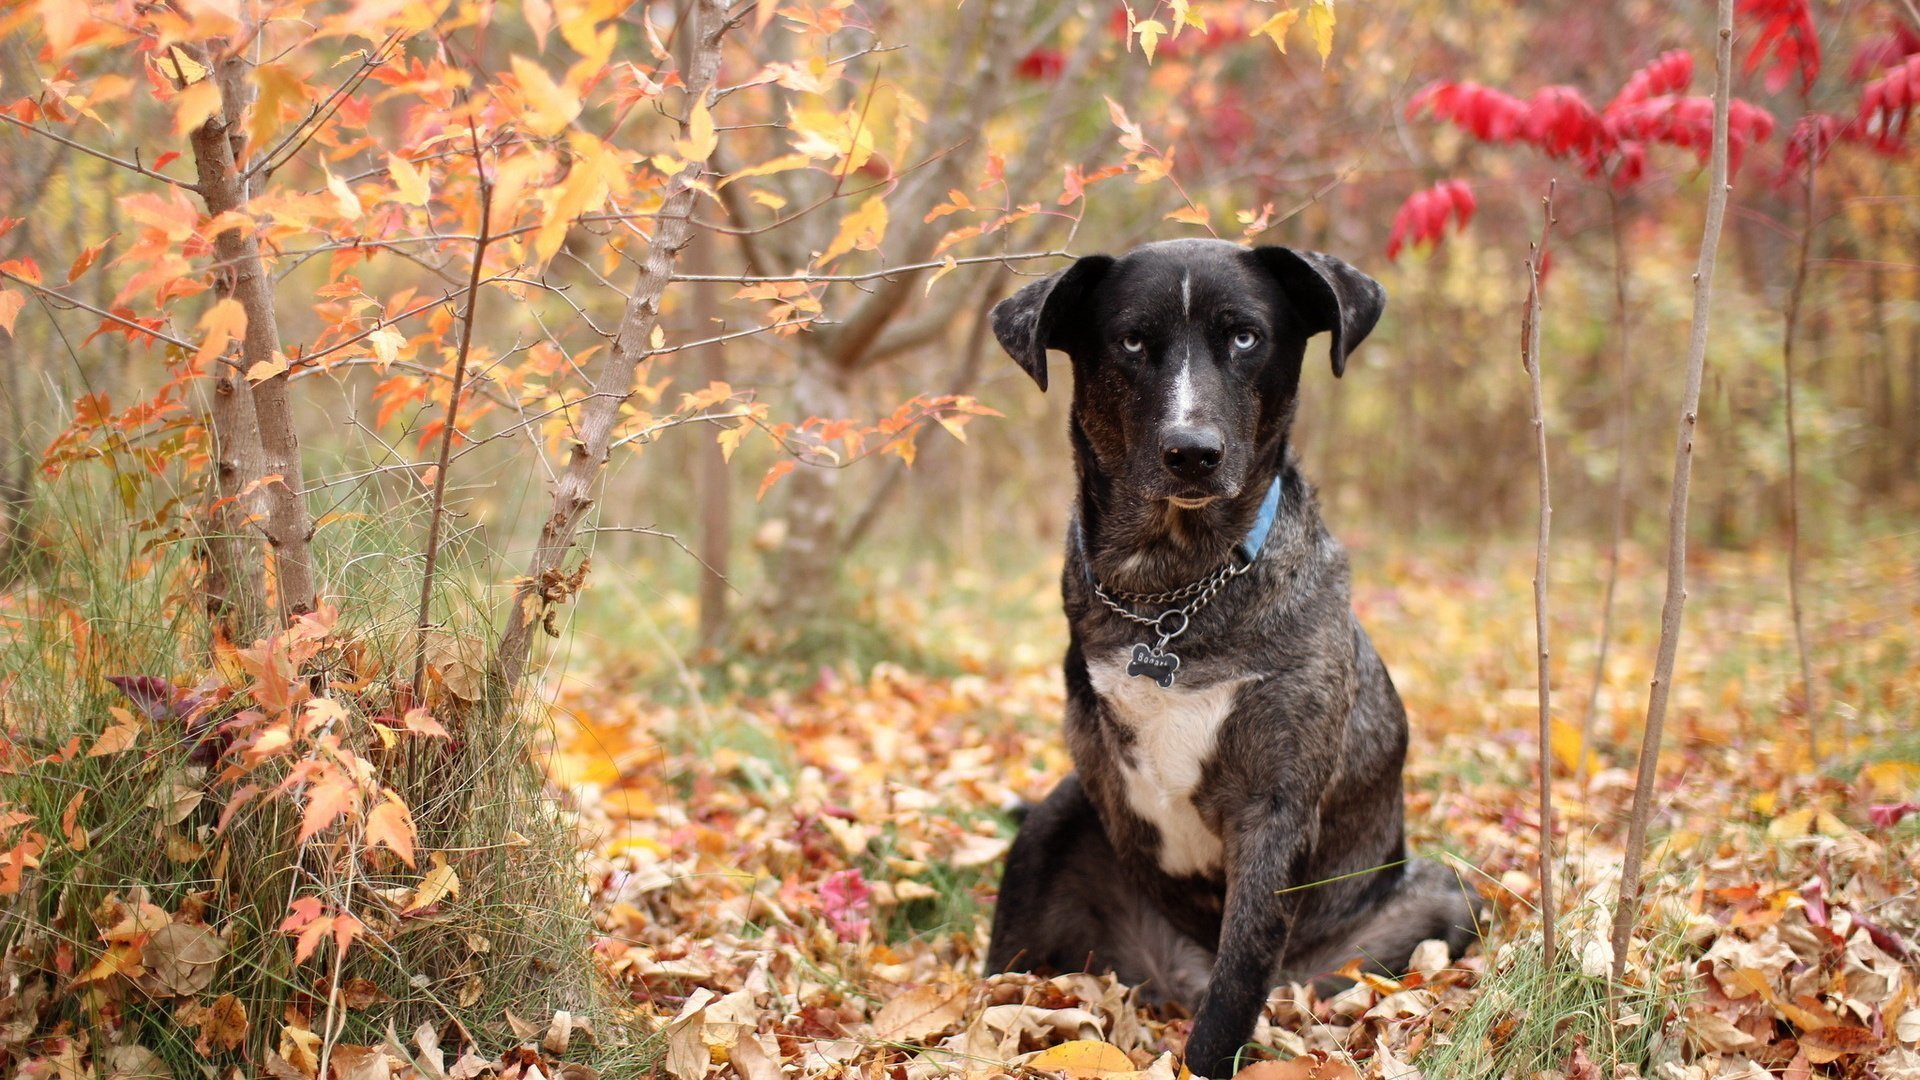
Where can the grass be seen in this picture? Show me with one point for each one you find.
(139, 826)
(1527, 1019)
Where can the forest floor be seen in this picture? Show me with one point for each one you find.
(803, 879)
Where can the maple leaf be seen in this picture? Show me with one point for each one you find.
(409, 180)
(1320, 28)
(10, 304)
(327, 800)
(1277, 26)
(224, 323)
(863, 229)
(439, 883)
(700, 140)
(195, 105)
(546, 106)
(1149, 31)
(391, 824)
(774, 473)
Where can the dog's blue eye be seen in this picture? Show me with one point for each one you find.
(1132, 343)
(1245, 339)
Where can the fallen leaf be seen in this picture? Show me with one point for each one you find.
(921, 1013)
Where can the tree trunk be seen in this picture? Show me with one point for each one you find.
(803, 571)
(258, 437)
(545, 582)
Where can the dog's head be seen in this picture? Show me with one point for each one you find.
(1186, 354)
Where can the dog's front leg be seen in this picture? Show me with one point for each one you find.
(1263, 854)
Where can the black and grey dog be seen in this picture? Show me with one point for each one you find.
(1235, 814)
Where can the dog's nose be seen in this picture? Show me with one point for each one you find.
(1191, 453)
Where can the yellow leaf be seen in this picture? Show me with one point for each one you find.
(263, 370)
(701, 138)
(1320, 28)
(345, 201)
(863, 229)
(182, 67)
(1150, 32)
(1565, 738)
(409, 180)
(1183, 16)
(783, 163)
(730, 439)
(546, 106)
(1277, 27)
(439, 884)
(1191, 215)
(947, 266)
(195, 106)
(225, 322)
(658, 339)
(1082, 1059)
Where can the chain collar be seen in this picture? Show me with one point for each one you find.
(1156, 662)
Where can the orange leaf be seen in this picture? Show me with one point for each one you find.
(780, 468)
(391, 823)
(86, 259)
(10, 304)
(224, 323)
(326, 801)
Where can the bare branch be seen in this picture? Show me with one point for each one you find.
(130, 166)
(1530, 359)
(1626, 912)
(59, 297)
(439, 502)
(886, 273)
(1795, 298)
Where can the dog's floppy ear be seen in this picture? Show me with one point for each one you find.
(1029, 322)
(1329, 294)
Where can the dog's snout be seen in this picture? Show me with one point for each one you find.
(1191, 453)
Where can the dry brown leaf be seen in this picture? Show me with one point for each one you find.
(687, 1054)
(360, 1063)
(225, 1023)
(1310, 1067)
(1833, 1043)
(181, 959)
(752, 1061)
(133, 1063)
(921, 1013)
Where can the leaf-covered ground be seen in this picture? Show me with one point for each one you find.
(800, 882)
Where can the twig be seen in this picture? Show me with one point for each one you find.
(1626, 910)
(613, 381)
(130, 166)
(1623, 424)
(1794, 299)
(81, 305)
(1530, 359)
(439, 503)
(873, 275)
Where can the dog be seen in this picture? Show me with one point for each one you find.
(1234, 817)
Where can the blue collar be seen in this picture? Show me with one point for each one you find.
(1262, 524)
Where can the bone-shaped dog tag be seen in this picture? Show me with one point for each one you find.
(1149, 663)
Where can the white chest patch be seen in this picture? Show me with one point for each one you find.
(1174, 733)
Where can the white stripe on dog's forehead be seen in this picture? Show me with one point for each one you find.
(1186, 294)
